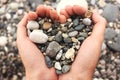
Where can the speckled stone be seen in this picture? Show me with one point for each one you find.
(87, 21)
(65, 68)
(52, 49)
(73, 33)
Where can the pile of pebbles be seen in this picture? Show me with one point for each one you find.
(59, 43)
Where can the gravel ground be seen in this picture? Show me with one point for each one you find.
(11, 12)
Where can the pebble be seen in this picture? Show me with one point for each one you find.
(101, 3)
(65, 68)
(75, 22)
(74, 40)
(59, 55)
(58, 72)
(67, 40)
(110, 33)
(79, 27)
(3, 40)
(32, 25)
(73, 33)
(47, 25)
(104, 46)
(70, 54)
(87, 21)
(48, 61)
(64, 35)
(38, 36)
(57, 66)
(110, 8)
(52, 49)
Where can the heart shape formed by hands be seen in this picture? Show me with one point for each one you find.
(58, 42)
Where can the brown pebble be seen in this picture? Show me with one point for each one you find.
(47, 25)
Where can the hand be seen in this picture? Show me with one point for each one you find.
(31, 56)
(89, 52)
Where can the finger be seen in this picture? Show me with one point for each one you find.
(54, 15)
(91, 48)
(69, 10)
(48, 8)
(64, 12)
(79, 10)
(21, 29)
(62, 19)
(32, 16)
(41, 11)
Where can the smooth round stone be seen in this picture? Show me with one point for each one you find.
(52, 49)
(81, 38)
(73, 33)
(82, 34)
(79, 27)
(57, 66)
(3, 40)
(67, 40)
(64, 35)
(65, 68)
(59, 55)
(47, 25)
(38, 36)
(49, 62)
(74, 40)
(58, 37)
(58, 72)
(32, 25)
(87, 21)
(70, 54)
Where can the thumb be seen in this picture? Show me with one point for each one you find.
(99, 27)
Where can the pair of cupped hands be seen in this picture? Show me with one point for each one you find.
(88, 55)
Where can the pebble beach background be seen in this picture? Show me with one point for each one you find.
(12, 11)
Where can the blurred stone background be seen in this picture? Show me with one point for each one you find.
(12, 11)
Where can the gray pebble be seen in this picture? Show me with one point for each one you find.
(83, 34)
(58, 37)
(75, 22)
(49, 62)
(81, 38)
(73, 33)
(111, 12)
(32, 25)
(52, 49)
(59, 55)
(87, 21)
(65, 68)
(79, 27)
(67, 40)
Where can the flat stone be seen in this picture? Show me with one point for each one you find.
(38, 36)
(87, 21)
(52, 49)
(111, 12)
(70, 54)
(81, 38)
(73, 33)
(48, 61)
(79, 27)
(3, 40)
(32, 25)
(110, 33)
(59, 55)
(57, 66)
(65, 68)
(47, 25)
(82, 34)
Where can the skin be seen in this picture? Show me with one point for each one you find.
(88, 55)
